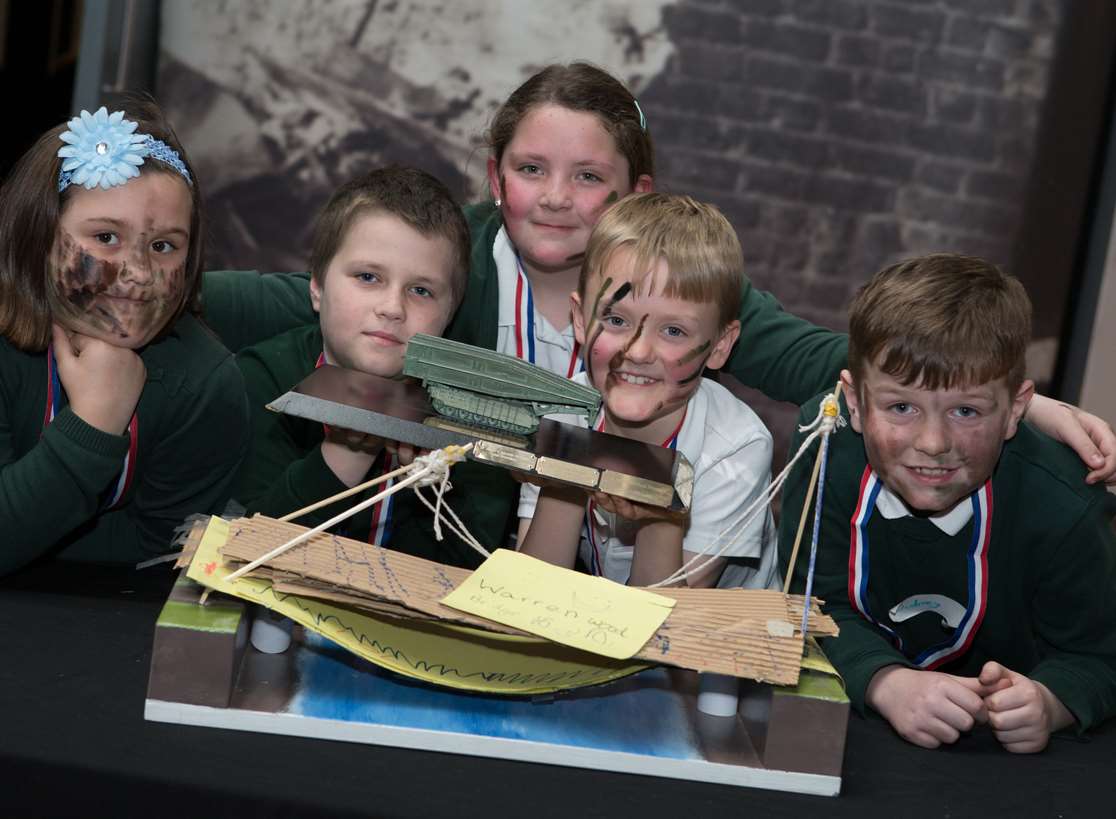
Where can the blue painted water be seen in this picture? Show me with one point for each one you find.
(640, 714)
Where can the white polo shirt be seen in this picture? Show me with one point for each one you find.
(521, 330)
(730, 450)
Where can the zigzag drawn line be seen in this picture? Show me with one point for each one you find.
(442, 670)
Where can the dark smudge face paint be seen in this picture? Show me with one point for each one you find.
(690, 356)
(694, 353)
(618, 358)
(126, 302)
(620, 293)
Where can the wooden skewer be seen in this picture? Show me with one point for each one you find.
(290, 544)
(802, 523)
(806, 505)
(306, 510)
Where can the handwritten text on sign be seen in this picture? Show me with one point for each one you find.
(574, 609)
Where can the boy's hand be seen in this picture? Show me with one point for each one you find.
(1090, 437)
(404, 453)
(349, 454)
(927, 708)
(1022, 712)
(102, 382)
(630, 510)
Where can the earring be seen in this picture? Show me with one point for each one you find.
(499, 202)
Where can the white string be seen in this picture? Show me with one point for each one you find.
(823, 424)
(424, 470)
(460, 529)
(442, 459)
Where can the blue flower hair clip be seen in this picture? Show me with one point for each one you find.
(102, 149)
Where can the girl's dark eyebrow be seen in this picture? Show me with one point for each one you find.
(121, 223)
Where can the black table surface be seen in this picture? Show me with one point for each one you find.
(76, 644)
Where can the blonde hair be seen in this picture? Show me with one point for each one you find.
(942, 321)
(699, 246)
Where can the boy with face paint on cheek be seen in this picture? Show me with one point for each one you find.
(976, 584)
(121, 413)
(656, 305)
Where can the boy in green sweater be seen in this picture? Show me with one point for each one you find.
(389, 259)
(971, 570)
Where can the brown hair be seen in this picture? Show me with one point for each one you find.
(695, 239)
(30, 209)
(580, 87)
(942, 321)
(414, 196)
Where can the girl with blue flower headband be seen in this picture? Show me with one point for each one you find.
(120, 413)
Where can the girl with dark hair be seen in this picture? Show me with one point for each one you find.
(120, 414)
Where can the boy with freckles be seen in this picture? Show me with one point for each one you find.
(971, 570)
(389, 259)
(656, 304)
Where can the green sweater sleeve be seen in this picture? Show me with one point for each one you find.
(860, 650)
(190, 440)
(54, 487)
(188, 469)
(783, 356)
(284, 469)
(1074, 616)
(245, 307)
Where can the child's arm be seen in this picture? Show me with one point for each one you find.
(1090, 437)
(1073, 615)
(187, 468)
(554, 530)
(245, 307)
(56, 486)
(287, 466)
(1023, 713)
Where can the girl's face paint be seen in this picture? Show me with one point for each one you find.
(117, 268)
(558, 173)
(642, 355)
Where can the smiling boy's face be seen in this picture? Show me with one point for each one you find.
(386, 282)
(643, 350)
(933, 448)
(117, 268)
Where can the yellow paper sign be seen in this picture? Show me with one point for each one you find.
(574, 609)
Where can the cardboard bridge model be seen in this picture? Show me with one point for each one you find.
(370, 619)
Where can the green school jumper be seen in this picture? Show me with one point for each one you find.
(1039, 587)
(191, 426)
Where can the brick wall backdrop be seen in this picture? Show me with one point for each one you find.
(839, 135)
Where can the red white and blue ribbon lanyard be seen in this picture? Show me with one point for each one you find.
(116, 492)
(380, 529)
(957, 643)
(525, 324)
(596, 566)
